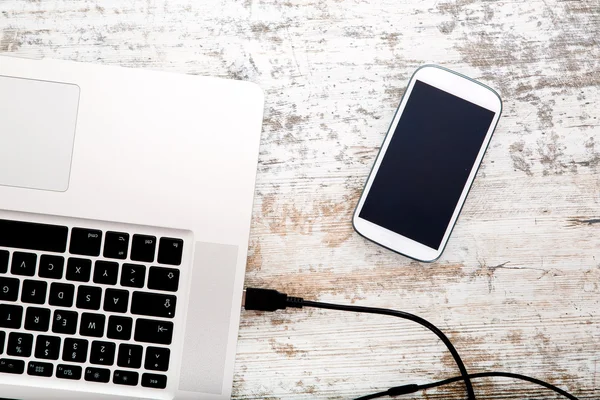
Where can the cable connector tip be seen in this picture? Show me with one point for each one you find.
(268, 300)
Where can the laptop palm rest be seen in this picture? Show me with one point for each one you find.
(37, 132)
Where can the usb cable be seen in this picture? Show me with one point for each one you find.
(272, 300)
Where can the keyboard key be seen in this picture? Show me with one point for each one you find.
(3, 261)
(9, 289)
(34, 292)
(61, 294)
(153, 304)
(51, 267)
(68, 372)
(79, 269)
(116, 245)
(30, 236)
(97, 375)
(130, 356)
(19, 344)
(2, 339)
(10, 316)
(37, 368)
(143, 248)
(75, 350)
(89, 297)
(119, 328)
(64, 322)
(149, 331)
(23, 264)
(170, 251)
(92, 325)
(157, 359)
(166, 279)
(154, 381)
(85, 242)
(129, 378)
(116, 300)
(37, 319)
(133, 275)
(47, 347)
(106, 272)
(9, 366)
(103, 353)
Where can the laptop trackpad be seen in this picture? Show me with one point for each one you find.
(37, 130)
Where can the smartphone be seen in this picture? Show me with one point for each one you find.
(427, 163)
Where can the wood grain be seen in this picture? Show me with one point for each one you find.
(518, 287)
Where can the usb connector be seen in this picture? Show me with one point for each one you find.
(268, 300)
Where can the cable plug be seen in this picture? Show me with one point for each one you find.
(268, 300)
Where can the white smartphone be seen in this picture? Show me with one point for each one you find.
(427, 163)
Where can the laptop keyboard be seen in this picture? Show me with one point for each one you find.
(86, 304)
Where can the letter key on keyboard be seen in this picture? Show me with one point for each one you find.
(10, 316)
(64, 322)
(79, 269)
(23, 264)
(51, 267)
(9, 289)
(34, 291)
(61, 294)
(37, 319)
(88, 297)
(92, 325)
(106, 272)
(119, 327)
(116, 300)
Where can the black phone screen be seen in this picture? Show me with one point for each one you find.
(427, 164)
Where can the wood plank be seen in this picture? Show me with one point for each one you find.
(518, 286)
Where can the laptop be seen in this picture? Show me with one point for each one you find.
(125, 209)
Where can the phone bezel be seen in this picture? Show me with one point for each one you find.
(460, 86)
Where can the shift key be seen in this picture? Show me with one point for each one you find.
(153, 305)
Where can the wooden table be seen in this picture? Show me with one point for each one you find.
(518, 287)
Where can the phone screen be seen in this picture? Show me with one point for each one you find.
(427, 164)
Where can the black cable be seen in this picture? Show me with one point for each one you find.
(410, 317)
(271, 300)
(405, 389)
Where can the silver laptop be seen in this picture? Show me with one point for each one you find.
(125, 208)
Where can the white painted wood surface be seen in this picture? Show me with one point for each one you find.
(518, 287)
